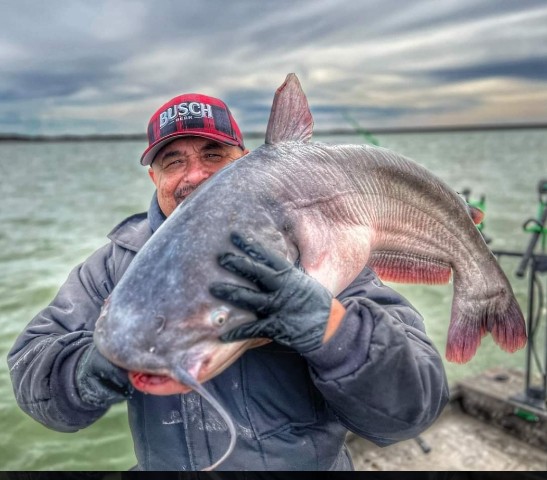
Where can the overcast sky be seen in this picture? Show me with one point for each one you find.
(105, 66)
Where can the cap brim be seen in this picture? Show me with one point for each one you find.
(151, 152)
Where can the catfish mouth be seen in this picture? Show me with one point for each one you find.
(156, 384)
(212, 365)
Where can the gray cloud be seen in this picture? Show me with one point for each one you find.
(84, 67)
(534, 68)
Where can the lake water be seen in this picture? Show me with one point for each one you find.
(59, 200)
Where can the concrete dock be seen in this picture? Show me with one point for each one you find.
(482, 429)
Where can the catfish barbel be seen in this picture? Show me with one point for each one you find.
(332, 208)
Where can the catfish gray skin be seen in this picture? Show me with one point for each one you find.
(333, 208)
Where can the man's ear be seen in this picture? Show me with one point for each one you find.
(152, 175)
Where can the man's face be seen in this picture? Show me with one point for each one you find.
(182, 165)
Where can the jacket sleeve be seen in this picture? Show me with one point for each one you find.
(379, 372)
(43, 360)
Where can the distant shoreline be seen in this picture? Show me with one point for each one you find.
(14, 137)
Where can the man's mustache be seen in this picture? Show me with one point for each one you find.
(182, 192)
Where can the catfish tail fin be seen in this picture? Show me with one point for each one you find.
(471, 319)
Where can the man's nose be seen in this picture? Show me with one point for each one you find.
(196, 173)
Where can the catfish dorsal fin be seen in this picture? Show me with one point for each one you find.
(290, 118)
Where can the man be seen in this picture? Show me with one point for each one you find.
(360, 362)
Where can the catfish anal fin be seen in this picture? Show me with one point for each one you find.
(409, 268)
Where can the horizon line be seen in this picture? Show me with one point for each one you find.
(10, 136)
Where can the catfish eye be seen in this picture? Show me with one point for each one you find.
(219, 316)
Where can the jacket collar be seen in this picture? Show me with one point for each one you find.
(155, 216)
(135, 230)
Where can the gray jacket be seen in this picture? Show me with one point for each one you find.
(378, 376)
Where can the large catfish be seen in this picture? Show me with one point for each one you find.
(335, 209)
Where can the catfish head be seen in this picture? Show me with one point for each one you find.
(161, 317)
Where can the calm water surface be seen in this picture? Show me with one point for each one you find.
(59, 200)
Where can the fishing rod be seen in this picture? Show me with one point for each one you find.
(535, 394)
(369, 138)
(537, 227)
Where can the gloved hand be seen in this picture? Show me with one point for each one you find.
(100, 382)
(291, 307)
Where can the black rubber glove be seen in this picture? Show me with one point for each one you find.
(100, 382)
(292, 308)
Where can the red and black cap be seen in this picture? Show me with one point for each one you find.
(191, 114)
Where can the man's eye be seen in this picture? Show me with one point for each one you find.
(213, 157)
(173, 164)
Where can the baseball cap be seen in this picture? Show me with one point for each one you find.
(191, 114)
